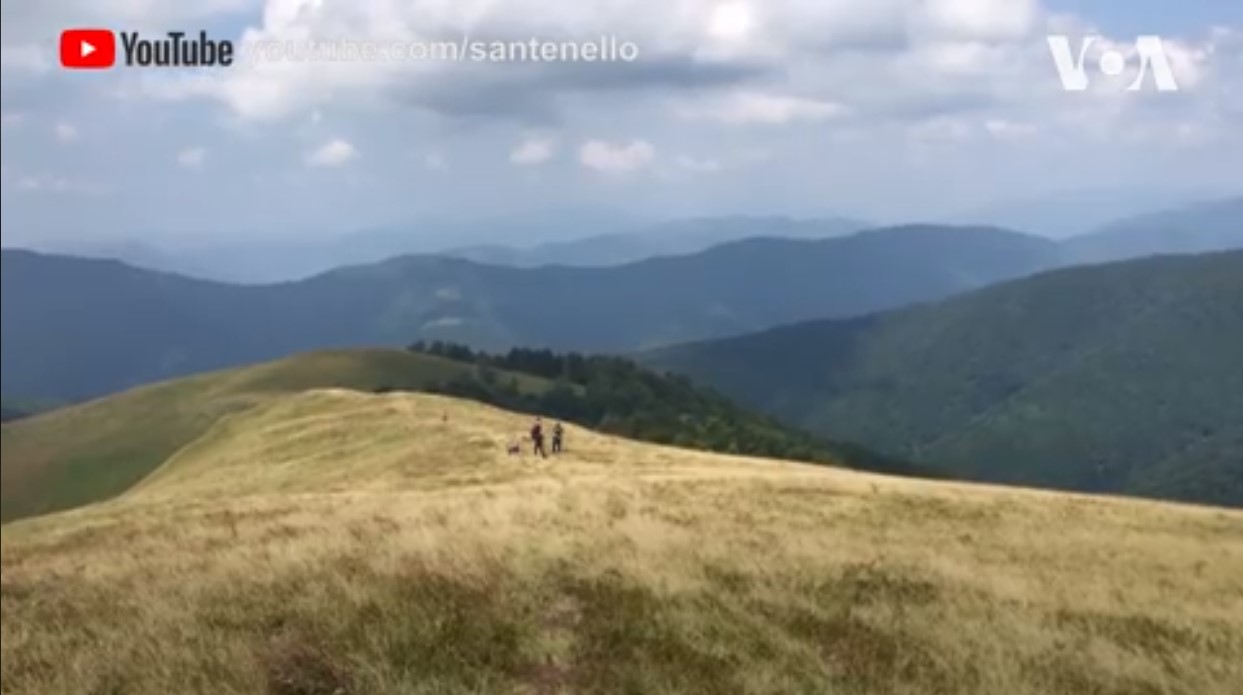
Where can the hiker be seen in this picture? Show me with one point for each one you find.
(557, 434)
(537, 438)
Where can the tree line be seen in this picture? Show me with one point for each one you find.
(618, 396)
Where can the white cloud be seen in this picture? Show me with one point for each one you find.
(24, 59)
(1003, 129)
(746, 62)
(985, 20)
(65, 132)
(940, 130)
(58, 184)
(35, 18)
(685, 36)
(191, 157)
(12, 119)
(532, 151)
(334, 153)
(843, 89)
(435, 161)
(701, 166)
(755, 155)
(610, 158)
(746, 108)
(731, 20)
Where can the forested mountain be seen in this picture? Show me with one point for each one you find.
(1125, 377)
(77, 328)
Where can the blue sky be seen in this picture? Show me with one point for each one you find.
(1131, 17)
(886, 109)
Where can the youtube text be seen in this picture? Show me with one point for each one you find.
(603, 49)
(176, 49)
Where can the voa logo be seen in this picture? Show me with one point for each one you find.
(1077, 71)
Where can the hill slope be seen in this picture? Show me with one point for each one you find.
(78, 328)
(1201, 228)
(17, 409)
(339, 542)
(96, 450)
(1121, 378)
(8, 414)
(93, 451)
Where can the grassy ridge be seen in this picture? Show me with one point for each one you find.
(95, 451)
(283, 554)
(16, 409)
(98, 449)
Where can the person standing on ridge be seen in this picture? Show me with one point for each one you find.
(557, 434)
(537, 438)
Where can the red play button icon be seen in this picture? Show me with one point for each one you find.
(88, 48)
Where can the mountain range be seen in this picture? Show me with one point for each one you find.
(1067, 214)
(1092, 225)
(1209, 226)
(76, 328)
(677, 238)
(1122, 377)
(282, 255)
(567, 238)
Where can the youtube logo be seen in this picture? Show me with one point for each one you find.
(94, 49)
(90, 49)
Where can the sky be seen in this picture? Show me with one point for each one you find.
(881, 109)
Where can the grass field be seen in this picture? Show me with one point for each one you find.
(338, 542)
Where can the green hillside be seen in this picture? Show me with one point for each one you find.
(76, 328)
(1117, 378)
(99, 449)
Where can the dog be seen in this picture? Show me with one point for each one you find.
(514, 448)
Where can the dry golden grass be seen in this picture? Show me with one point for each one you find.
(335, 542)
(96, 450)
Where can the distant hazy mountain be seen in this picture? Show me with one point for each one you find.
(75, 327)
(1211, 226)
(281, 257)
(1073, 213)
(1123, 377)
(666, 239)
(136, 253)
